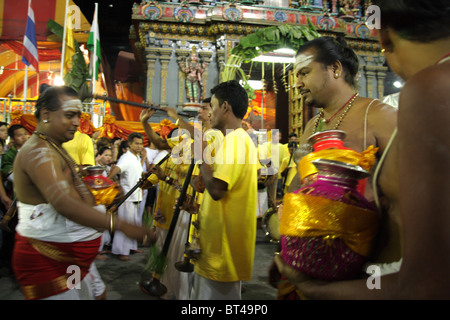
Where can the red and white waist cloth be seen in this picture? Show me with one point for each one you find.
(46, 245)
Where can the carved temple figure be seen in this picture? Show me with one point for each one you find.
(193, 69)
(349, 9)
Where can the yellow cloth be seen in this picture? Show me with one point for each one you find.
(167, 194)
(364, 159)
(70, 46)
(228, 226)
(214, 139)
(265, 152)
(105, 196)
(313, 216)
(81, 149)
(292, 171)
(283, 153)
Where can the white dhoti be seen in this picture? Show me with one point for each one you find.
(44, 223)
(142, 206)
(106, 239)
(178, 284)
(206, 289)
(121, 244)
(263, 203)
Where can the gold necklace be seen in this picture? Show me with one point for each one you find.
(321, 122)
(80, 186)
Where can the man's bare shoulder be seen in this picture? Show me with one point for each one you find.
(377, 107)
(428, 90)
(34, 152)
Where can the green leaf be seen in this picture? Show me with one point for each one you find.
(267, 40)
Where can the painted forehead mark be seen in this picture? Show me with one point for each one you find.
(303, 60)
(72, 105)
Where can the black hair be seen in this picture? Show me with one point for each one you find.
(416, 20)
(50, 99)
(135, 135)
(207, 100)
(328, 50)
(123, 145)
(292, 144)
(43, 87)
(103, 141)
(2, 142)
(13, 128)
(234, 94)
(103, 149)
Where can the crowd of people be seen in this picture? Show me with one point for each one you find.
(211, 181)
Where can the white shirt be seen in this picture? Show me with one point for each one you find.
(154, 155)
(130, 173)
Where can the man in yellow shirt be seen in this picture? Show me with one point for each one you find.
(81, 149)
(227, 216)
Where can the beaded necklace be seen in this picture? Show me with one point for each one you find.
(79, 185)
(320, 122)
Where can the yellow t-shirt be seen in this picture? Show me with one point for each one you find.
(283, 153)
(292, 171)
(280, 152)
(167, 193)
(81, 149)
(228, 226)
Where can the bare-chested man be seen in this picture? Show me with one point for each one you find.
(414, 176)
(326, 70)
(58, 225)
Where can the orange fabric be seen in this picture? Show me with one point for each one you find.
(111, 127)
(86, 125)
(29, 122)
(26, 120)
(129, 91)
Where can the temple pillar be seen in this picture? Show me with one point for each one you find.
(164, 58)
(381, 74)
(151, 57)
(370, 73)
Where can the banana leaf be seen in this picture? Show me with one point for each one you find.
(262, 41)
(272, 38)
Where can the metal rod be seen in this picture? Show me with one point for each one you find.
(136, 104)
(139, 184)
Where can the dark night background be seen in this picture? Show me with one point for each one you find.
(114, 19)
